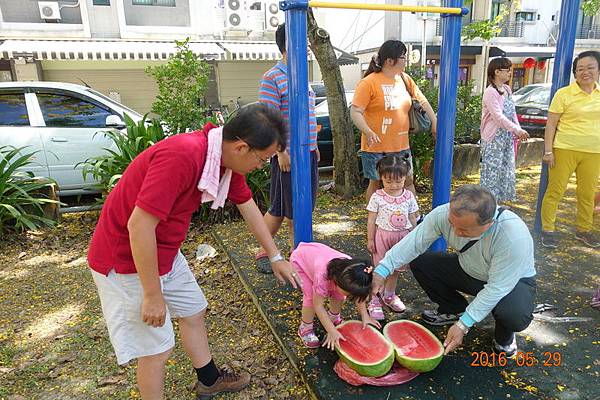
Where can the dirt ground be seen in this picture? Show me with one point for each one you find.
(54, 344)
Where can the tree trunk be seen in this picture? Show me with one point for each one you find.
(345, 163)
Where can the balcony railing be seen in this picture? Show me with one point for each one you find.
(588, 31)
(511, 29)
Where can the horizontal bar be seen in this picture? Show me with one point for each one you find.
(388, 7)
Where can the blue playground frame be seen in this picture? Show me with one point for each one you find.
(296, 34)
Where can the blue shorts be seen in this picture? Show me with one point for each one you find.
(369, 162)
(281, 187)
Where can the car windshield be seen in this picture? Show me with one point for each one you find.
(323, 108)
(319, 89)
(524, 90)
(128, 110)
(541, 96)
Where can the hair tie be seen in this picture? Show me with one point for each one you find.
(375, 59)
(368, 269)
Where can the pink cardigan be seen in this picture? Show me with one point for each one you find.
(492, 117)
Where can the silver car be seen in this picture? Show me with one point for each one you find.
(59, 121)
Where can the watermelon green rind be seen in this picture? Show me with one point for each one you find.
(376, 369)
(411, 363)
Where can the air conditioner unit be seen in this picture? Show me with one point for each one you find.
(273, 15)
(235, 14)
(49, 10)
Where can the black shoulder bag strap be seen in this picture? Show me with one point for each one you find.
(470, 243)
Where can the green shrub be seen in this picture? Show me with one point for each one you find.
(181, 82)
(107, 169)
(21, 199)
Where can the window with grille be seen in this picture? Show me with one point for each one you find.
(163, 3)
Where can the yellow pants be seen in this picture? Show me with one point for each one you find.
(587, 169)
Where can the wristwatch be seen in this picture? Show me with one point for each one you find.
(547, 153)
(276, 257)
(462, 326)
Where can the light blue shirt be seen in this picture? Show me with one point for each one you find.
(502, 256)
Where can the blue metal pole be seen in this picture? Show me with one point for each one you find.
(444, 146)
(297, 69)
(561, 76)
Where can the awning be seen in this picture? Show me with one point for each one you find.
(251, 50)
(464, 50)
(344, 58)
(144, 50)
(523, 51)
(101, 50)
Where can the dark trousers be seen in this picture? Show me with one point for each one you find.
(442, 278)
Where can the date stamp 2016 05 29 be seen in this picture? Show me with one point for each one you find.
(520, 359)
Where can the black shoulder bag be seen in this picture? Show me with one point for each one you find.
(418, 120)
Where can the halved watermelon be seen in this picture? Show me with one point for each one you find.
(417, 349)
(365, 350)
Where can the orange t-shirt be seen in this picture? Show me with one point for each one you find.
(386, 102)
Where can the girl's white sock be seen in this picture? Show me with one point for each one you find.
(388, 293)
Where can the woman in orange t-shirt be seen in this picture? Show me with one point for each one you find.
(380, 107)
(380, 110)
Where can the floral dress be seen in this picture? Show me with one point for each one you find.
(498, 159)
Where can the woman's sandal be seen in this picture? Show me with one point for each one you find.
(263, 265)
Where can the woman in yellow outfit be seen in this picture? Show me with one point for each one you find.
(572, 144)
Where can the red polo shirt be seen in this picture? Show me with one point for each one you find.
(162, 181)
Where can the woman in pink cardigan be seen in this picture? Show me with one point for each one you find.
(499, 128)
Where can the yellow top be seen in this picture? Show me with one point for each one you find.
(579, 123)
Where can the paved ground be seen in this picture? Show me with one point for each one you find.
(566, 278)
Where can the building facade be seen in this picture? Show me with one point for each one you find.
(108, 44)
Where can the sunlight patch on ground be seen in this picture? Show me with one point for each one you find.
(44, 260)
(543, 334)
(17, 273)
(332, 228)
(53, 322)
(79, 262)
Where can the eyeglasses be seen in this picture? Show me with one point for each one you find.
(262, 160)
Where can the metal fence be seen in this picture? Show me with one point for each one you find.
(588, 31)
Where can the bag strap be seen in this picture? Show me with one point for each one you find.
(470, 243)
(409, 88)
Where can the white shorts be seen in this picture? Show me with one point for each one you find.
(121, 297)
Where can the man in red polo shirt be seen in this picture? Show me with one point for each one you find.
(143, 280)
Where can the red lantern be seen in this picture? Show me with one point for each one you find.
(541, 64)
(529, 63)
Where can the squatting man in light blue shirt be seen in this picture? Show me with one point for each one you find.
(493, 262)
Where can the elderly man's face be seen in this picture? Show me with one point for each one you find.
(466, 224)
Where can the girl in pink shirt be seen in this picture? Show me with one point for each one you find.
(392, 215)
(329, 274)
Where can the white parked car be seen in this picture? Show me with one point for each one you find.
(59, 121)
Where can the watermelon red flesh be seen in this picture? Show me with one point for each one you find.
(365, 350)
(417, 349)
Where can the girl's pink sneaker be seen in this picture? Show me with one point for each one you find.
(394, 303)
(307, 334)
(375, 310)
(335, 319)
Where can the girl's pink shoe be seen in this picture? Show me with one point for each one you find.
(375, 310)
(335, 319)
(394, 303)
(307, 334)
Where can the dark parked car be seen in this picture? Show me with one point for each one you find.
(320, 92)
(324, 136)
(532, 110)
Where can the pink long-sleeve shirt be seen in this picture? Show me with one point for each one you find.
(492, 116)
